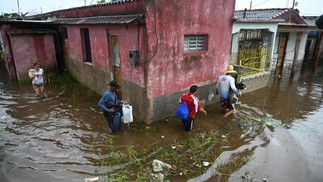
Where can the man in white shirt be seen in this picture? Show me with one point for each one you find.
(223, 86)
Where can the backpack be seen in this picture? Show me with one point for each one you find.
(182, 111)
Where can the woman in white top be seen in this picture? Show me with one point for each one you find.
(38, 79)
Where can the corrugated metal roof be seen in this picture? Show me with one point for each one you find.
(259, 20)
(260, 13)
(118, 19)
(29, 31)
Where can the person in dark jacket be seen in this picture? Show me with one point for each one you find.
(111, 106)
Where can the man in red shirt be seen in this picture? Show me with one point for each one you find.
(193, 106)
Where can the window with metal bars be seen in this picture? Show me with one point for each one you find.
(195, 43)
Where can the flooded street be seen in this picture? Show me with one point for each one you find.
(62, 137)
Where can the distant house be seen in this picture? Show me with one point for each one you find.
(24, 41)
(155, 49)
(268, 40)
(314, 43)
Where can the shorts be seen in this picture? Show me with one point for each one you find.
(36, 86)
(226, 104)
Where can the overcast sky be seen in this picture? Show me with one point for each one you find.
(306, 7)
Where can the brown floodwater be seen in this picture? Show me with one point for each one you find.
(52, 139)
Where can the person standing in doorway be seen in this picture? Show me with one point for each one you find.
(38, 79)
(223, 86)
(111, 106)
(193, 105)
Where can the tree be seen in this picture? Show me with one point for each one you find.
(100, 1)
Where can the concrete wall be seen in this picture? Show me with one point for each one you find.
(100, 49)
(290, 53)
(165, 106)
(256, 81)
(165, 71)
(99, 73)
(237, 26)
(172, 70)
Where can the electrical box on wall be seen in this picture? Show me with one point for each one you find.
(134, 57)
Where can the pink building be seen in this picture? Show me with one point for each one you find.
(155, 49)
(24, 42)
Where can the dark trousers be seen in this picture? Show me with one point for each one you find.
(188, 124)
(114, 123)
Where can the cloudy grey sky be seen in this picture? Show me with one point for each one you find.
(306, 7)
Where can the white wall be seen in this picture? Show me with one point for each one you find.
(237, 26)
(290, 52)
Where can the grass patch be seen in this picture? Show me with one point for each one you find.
(185, 157)
(141, 127)
(66, 83)
(270, 122)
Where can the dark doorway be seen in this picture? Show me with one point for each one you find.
(86, 47)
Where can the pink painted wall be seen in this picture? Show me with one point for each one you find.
(27, 48)
(99, 42)
(171, 70)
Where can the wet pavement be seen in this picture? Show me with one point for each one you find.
(52, 139)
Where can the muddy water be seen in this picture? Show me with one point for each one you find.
(52, 139)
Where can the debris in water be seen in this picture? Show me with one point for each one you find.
(158, 166)
(157, 177)
(92, 179)
(206, 163)
(57, 156)
(223, 136)
(270, 122)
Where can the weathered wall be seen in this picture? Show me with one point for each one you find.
(256, 81)
(165, 106)
(99, 42)
(290, 53)
(170, 69)
(272, 27)
(98, 74)
(7, 54)
(165, 70)
(29, 47)
(96, 79)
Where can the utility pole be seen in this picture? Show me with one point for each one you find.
(293, 4)
(250, 5)
(18, 6)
